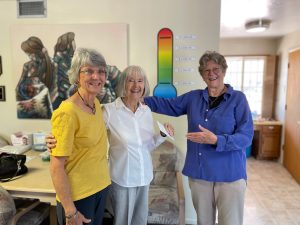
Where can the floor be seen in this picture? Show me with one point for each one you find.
(273, 196)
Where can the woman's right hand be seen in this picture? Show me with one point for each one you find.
(79, 219)
(50, 141)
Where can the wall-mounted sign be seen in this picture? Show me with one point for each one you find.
(184, 70)
(165, 87)
(186, 37)
(185, 47)
(185, 58)
(184, 83)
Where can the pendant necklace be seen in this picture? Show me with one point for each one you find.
(211, 101)
(93, 108)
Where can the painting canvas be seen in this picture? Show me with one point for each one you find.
(42, 55)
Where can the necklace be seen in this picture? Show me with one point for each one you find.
(93, 108)
(212, 101)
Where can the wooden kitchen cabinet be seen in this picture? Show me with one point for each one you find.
(266, 140)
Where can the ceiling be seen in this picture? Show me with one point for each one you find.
(284, 16)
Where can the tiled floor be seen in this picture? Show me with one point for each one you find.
(273, 196)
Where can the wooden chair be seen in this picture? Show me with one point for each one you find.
(22, 211)
(31, 212)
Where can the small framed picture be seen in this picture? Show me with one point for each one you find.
(0, 65)
(2, 93)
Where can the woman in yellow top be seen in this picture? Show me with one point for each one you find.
(78, 166)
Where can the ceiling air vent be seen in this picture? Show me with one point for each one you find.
(31, 8)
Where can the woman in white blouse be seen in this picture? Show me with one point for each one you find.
(131, 139)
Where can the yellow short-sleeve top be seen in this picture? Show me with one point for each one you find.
(82, 138)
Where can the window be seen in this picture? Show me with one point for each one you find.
(246, 74)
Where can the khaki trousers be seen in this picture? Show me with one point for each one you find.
(225, 197)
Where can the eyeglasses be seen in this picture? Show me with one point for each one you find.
(90, 72)
(215, 70)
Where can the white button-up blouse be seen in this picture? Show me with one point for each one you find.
(131, 139)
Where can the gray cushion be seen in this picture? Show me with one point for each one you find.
(163, 196)
(165, 157)
(164, 179)
(7, 207)
(163, 205)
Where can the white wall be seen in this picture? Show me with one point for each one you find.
(144, 18)
(248, 46)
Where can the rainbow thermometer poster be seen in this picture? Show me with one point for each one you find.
(165, 87)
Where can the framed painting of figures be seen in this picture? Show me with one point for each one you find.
(42, 55)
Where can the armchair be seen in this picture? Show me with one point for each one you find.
(21, 211)
(166, 194)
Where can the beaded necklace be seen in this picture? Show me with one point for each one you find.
(93, 108)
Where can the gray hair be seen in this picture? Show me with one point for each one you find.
(212, 56)
(84, 57)
(131, 70)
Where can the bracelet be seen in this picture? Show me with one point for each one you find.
(72, 216)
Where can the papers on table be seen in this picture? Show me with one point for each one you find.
(19, 149)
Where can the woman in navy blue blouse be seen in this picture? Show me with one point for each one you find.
(220, 128)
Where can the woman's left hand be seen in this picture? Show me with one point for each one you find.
(169, 128)
(204, 136)
(50, 141)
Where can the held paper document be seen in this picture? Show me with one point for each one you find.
(162, 129)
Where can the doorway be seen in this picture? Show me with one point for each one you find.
(291, 158)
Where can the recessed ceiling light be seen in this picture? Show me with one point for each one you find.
(258, 25)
